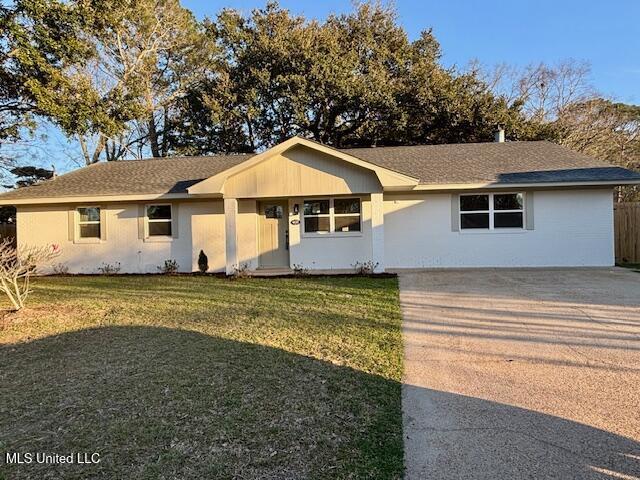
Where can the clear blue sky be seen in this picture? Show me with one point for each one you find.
(604, 33)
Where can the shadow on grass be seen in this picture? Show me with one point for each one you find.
(164, 403)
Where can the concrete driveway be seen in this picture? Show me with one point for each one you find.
(514, 374)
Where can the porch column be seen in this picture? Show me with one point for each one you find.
(230, 233)
(377, 231)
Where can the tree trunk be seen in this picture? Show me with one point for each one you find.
(164, 150)
(153, 137)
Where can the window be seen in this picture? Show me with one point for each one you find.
(88, 222)
(508, 210)
(273, 211)
(159, 220)
(316, 216)
(346, 214)
(339, 215)
(474, 211)
(491, 211)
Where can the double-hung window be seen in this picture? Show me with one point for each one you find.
(88, 222)
(491, 211)
(332, 215)
(346, 214)
(159, 220)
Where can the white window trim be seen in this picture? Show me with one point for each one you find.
(332, 221)
(491, 211)
(78, 222)
(147, 220)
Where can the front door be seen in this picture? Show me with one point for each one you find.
(274, 251)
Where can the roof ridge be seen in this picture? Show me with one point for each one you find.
(180, 157)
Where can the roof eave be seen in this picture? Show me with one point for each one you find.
(101, 198)
(496, 185)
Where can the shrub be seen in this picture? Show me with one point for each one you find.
(16, 267)
(203, 262)
(365, 268)
(170, 266)
(240, 271)
(60, 268)
(109, 268)
(300, 270)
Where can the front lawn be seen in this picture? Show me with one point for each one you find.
(196, 377)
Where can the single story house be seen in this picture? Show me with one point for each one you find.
(304, 204)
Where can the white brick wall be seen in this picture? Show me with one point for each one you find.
(201, 226)
(572, 228)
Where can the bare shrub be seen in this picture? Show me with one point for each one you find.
(365, 268)
(240, 271)
(300, 270)
(169, 267)
(109, 268)
(60, 269)
(17, 265)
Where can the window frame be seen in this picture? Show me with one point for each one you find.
(332, 218)
(492, 211)
(148, 220)
(78, 222)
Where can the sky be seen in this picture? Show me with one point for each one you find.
(606, 34)
(519, 32)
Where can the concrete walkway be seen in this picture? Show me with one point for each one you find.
(514, 374)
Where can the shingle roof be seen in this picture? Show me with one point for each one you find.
(509, 162)
(502, 163)
(129, 177)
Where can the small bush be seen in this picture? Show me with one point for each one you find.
(109, 268)
(203, 262)
(300, 270)
(170, 266)
(240, 271)
(60, 269)
(365, 268)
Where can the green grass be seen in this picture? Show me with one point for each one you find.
(202, 377)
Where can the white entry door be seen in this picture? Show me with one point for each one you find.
(274, 250)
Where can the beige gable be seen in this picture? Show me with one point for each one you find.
(301, 171)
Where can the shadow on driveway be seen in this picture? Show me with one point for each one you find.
(522, 373)
(463, 437)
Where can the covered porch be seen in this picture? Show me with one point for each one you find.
(303, 206)
(318, 234)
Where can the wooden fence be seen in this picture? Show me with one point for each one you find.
(627, 232)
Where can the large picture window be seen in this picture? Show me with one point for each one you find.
(332, 215)
(491, 211)
(88, 222)
(159, 220)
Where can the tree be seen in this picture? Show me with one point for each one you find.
(30, 175)
(157, 51)
(606, 130)
(117, 70)
(560, 104)
(17, 265)
(355, 79)
(28, 56)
